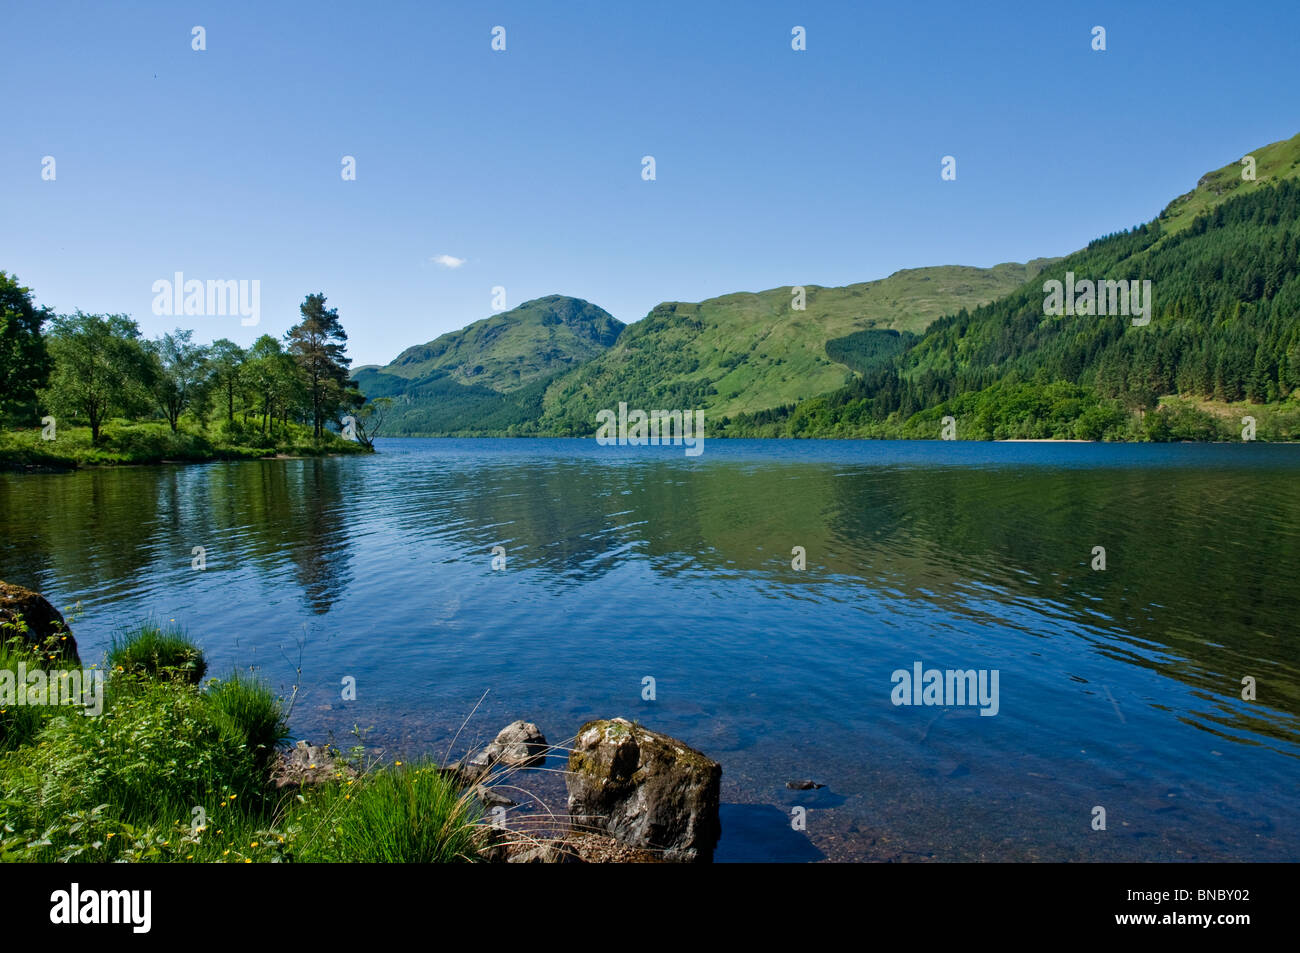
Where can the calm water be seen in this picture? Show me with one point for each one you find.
(1118, 688)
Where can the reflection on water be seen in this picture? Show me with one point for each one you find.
(1119, 688)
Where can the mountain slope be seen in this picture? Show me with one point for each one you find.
(489, 377)
(1273, 163)
(1224, 329)
(750, 351)
(514, 348)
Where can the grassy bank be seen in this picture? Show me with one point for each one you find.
(178, 768)
(125, 442)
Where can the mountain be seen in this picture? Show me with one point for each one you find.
(514, 348)
(489, 377)
(1222, 342)
(891, 357)
(751, 351)
(550, 364)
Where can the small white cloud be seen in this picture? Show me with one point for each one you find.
(448, 261)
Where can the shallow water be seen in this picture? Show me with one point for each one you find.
(1118, 688)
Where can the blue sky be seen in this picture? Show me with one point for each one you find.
(774, 167)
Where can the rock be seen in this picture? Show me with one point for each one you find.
(645, 789)
(519, 744)
(490, 798)
(803, 785)
(309, 764)
(462, 775)
(44, 623)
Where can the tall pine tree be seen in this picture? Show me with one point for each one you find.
(317, 344)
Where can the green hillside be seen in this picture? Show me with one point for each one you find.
(1223, 341)
(1273, 163)
(750, 351)
(514, 348)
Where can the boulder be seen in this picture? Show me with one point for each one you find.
(45, 627)
(519, 744)
(645, 789)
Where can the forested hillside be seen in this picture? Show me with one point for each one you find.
(1224, 328)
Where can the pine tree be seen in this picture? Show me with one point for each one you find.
(317, 344)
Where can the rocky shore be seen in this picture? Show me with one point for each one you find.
(634, 795)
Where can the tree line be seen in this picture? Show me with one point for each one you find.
(94, 367)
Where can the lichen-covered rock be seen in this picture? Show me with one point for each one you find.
(519, 744)
(645, 789)
(46, 630)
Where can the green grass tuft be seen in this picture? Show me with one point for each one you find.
(156, 650)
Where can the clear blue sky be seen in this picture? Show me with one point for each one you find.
(774, 167)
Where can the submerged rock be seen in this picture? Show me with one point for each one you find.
(45, 626)
(645, 789)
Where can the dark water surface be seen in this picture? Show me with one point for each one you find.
(1118, 688)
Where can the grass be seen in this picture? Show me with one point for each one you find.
(176, 771)
(129, 442)
(159, 652)
(402, 815)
